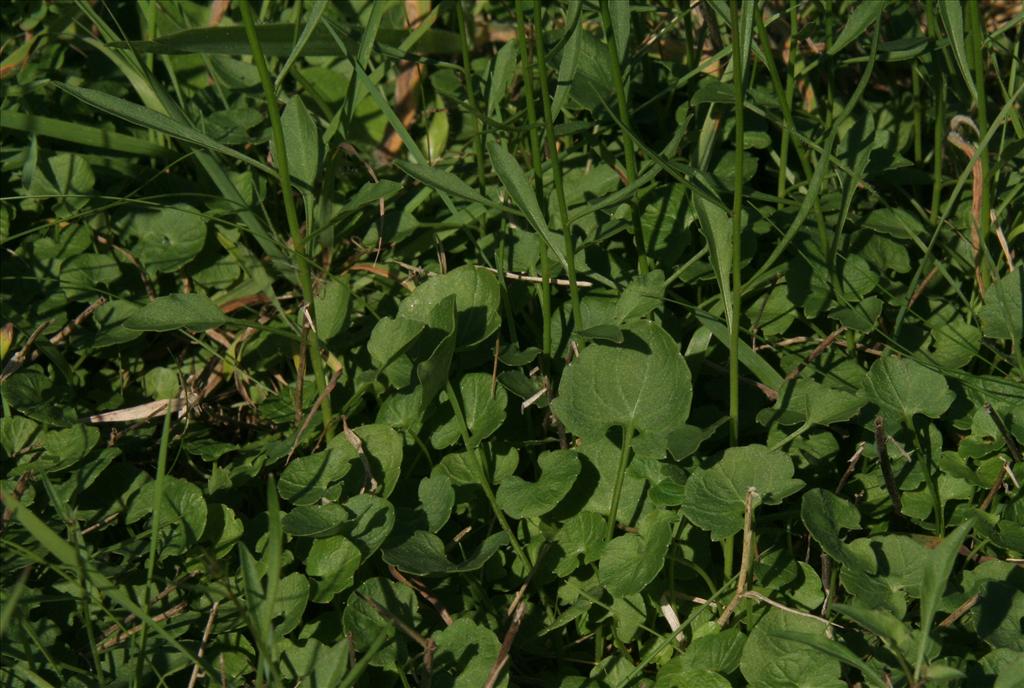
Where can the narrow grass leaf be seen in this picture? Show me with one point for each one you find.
(863, 16)
(518, 187)
(952, 13)
(937, 570)
(151, 119)
(82, 134)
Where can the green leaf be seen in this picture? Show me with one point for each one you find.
(716, 226)
(631, 561)
(279, 40)
(477, 298)
(183, 507)
(422, 554)
(937, 570)
(641, 296)
(690, 678)
(863, 16)
(465, 652)
(643, 384)
(619, 14)
(334, 560)
(175, 312)
(302, 141)
(306, 479)
(568, 63)
(904, 387)
(168, 238)
(82, 274)
(437, 497)
(825, 515)
(319, 520)
(952, 15)
(719, 651)
(834, 649)
(436, 178)
(806, 401)
(1002, 315)
(15, 432)
(81, 134)
(151, 119)
(882, 623)
(331, 307)
(715, 498)
(362, 621)
(369, 521)
(523, 499)
(502, 70)
(772, 660)
(522, 194)
(484, 414)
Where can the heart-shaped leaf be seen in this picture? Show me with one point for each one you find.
(643, 384)
(714, 499)
(904, 387)
(522, 499)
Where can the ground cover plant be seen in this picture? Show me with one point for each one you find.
(594, 344)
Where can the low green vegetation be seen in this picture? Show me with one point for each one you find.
(457, 345)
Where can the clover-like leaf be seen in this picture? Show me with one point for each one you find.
(422, 554)
(769, 661)
(169, 237)
(806, 401)
(904, 387)
(465, 653)
(483, 412)
(631, 561)
(643, 383)
(825, 516)
(1002, 316)
(714, 499)
(476, 303)
(523, 499)
(177, 311)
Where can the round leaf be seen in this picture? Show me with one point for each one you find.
(714, 499)
(904, 387)
(643, 383)
(177, 311)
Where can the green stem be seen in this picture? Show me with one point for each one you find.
(360, 667)
(538, 172)
(556, 165)
(737, 232)
(298, 240)
(478, 137)
(485, 480)
(154, 537)
(933, 489)
(627, 142)
(620, 475)
(784, 95)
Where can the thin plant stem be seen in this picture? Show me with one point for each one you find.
(538, 173)
(620, 474)
(478, 135)
(154, 536)
(627, 142)
(737, 232)
(297, 238)
(485, 479)
(556, 166)
(784, 95)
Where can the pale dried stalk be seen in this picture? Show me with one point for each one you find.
(748, 530)
(202, 644)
